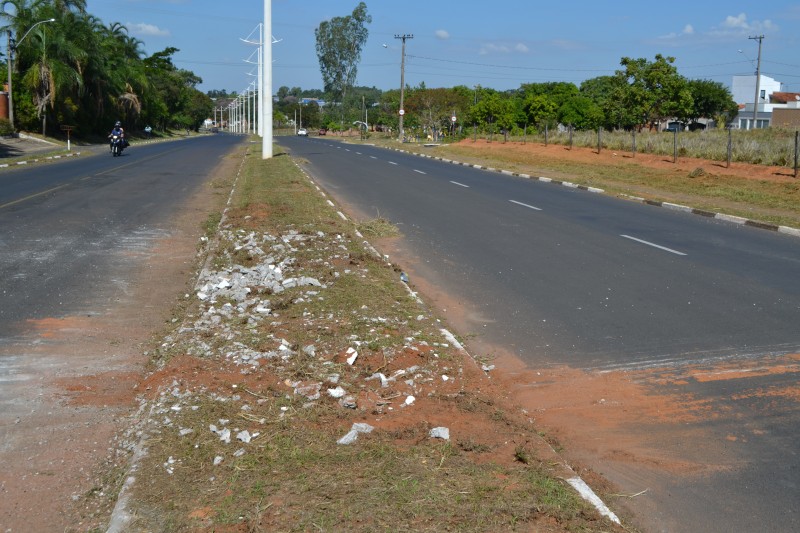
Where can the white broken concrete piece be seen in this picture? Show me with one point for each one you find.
(243, 436)
(440, 433)
(338, 392)
(352, 435)
(379, 375)
(352, 356)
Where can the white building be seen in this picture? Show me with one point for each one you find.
(744, 89)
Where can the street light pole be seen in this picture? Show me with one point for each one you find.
(266, 95)
(11, 48)
(758, 38)
(402, 80)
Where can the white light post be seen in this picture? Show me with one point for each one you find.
(266, 89)
(11, 48)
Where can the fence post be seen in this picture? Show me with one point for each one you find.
(675, 145)
(525, 134)
(545, 134)
(599, 139)
(796, 141)
(730, 146)
(570, 136)
(633, 133)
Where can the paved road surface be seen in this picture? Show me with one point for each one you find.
(565, 276)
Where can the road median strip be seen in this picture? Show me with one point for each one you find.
(299, 336)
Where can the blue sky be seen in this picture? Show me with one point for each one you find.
(498, 44)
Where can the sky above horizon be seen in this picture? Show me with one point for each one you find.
(499, 45)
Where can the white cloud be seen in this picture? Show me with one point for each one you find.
(739, 21)
(687, 30)
(739, 25)
(493, 48)
(442, 35)
(146, 30)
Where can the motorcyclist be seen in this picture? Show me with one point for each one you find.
(118, 130)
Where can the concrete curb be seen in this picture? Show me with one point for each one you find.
(37, 160)
(786, 230)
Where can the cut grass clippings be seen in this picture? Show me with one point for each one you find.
(243, 426)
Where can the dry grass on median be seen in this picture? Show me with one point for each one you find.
(243, 429)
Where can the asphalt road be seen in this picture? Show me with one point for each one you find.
(67, 228)
(565, 276)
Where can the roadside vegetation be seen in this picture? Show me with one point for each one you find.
(253, 392)
(79, 71)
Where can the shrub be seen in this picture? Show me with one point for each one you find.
(5, 127)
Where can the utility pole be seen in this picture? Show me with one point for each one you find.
(402, 79)
(758, 38)
(9, 51)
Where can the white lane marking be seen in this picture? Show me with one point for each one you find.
(358, 153)
(525, 205)
(373, 157)
(392, 163)
(670, 250)
(419, 171)
(460, 184)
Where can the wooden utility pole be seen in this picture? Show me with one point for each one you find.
(402, 79)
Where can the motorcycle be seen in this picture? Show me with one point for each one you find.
(117, 144)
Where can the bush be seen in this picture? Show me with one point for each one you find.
(5, 127)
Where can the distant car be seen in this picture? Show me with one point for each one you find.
(675, 126)
(323, 131)
(302, 132)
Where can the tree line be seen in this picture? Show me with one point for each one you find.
(641, 94)
(81, 72)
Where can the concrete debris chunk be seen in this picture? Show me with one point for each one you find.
(352, 435)
(218, 460)
(440, 433)
(309, 390)
(243, 436)
(352, 356)
(348, 402)
(338, 392)
(380, 376)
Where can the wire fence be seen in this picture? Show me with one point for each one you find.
(773, 147)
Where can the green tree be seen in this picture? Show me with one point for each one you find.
(339, 44)
(540, 109)
(582, 112)
(608, 93)
(655, 90)
(712, 100)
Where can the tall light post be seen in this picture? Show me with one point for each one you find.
(402, 80)
(758, 38)
(11, 48)
(266, 89)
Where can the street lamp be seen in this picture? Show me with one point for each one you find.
(11, 48)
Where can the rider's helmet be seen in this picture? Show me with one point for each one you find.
(118, 124)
